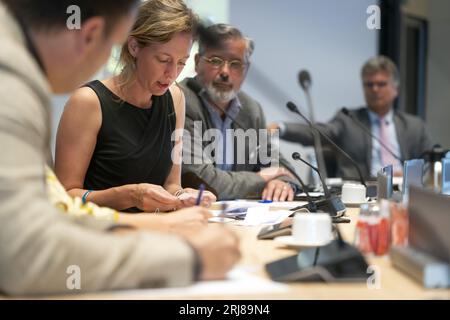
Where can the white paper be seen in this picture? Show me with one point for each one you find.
(262, 216)
(312, 194)
(242, 204)
(239, 281)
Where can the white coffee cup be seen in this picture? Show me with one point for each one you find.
(353, 193)
(312, 229)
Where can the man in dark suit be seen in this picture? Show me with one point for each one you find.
(215, 106)
(405, 135)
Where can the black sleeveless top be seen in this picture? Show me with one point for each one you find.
(133, 145)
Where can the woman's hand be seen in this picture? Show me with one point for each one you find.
(183, 222)
(150, 198)
(187, 218)
(189, 198)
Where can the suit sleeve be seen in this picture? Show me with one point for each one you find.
(226, 184)
(426, 142)
(274, 150)
(302, 133)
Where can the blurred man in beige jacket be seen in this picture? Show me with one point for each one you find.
(38, 245)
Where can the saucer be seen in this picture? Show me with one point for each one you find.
(354, 204)
(291, 242)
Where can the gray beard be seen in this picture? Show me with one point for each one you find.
(220, 96)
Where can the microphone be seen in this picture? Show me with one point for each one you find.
(331, 202)
(292, 107)
(311, 204)
(368, 132)
(304, 78)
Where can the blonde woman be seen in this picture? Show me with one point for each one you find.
(114, 144)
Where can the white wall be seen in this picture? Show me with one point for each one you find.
(438, 75)
(328, 38)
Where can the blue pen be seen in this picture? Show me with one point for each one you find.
(201, 188)
(265, 201)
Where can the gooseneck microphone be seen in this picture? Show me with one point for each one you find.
(292, 107)
(311, 204)
(326, 191)
(335, 203)
(304, 78)
(331, 202)
(346, 112)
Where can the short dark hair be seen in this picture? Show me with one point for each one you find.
(381, 64)
(52, 14)
(213, 37)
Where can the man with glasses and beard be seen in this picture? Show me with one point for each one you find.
(214, 101)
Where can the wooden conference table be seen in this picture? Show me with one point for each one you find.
(256, 253)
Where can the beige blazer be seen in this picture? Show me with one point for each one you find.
(38, 245)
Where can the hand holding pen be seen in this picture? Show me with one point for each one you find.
(192, 197)
(200, 194)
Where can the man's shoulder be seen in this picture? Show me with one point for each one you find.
(23, 110)
(345, 115)
(193, 102)
(249, 104)
(409, 119)
(24, 92)
(359, 112)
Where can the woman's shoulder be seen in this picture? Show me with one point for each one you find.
(84, 101)
(177, 97)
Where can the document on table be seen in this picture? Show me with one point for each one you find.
(255, 216)
(239, 281)
(262, 216)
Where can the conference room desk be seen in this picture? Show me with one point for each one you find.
(256, 253)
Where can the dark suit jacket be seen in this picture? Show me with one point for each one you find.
(413, 138)
(242, 181)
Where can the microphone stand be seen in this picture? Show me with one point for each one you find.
(334, 202)
(293, 108)
(305, 82)
(311, 204)
(331, 202)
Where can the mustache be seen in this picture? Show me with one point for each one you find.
(223, 82)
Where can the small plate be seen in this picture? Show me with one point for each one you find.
(290, 241)
(355, 204)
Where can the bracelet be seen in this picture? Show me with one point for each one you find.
(83, 198)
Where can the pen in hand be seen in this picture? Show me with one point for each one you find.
(200, 194)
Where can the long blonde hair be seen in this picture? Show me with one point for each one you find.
(157, 22)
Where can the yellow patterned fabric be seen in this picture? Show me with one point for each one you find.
(74, 206)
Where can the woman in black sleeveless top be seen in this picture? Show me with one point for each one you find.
(116, 142)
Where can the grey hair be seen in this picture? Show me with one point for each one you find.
(381, 63)
(215, 35)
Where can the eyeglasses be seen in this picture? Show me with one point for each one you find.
(218, 63)
(379, 84)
